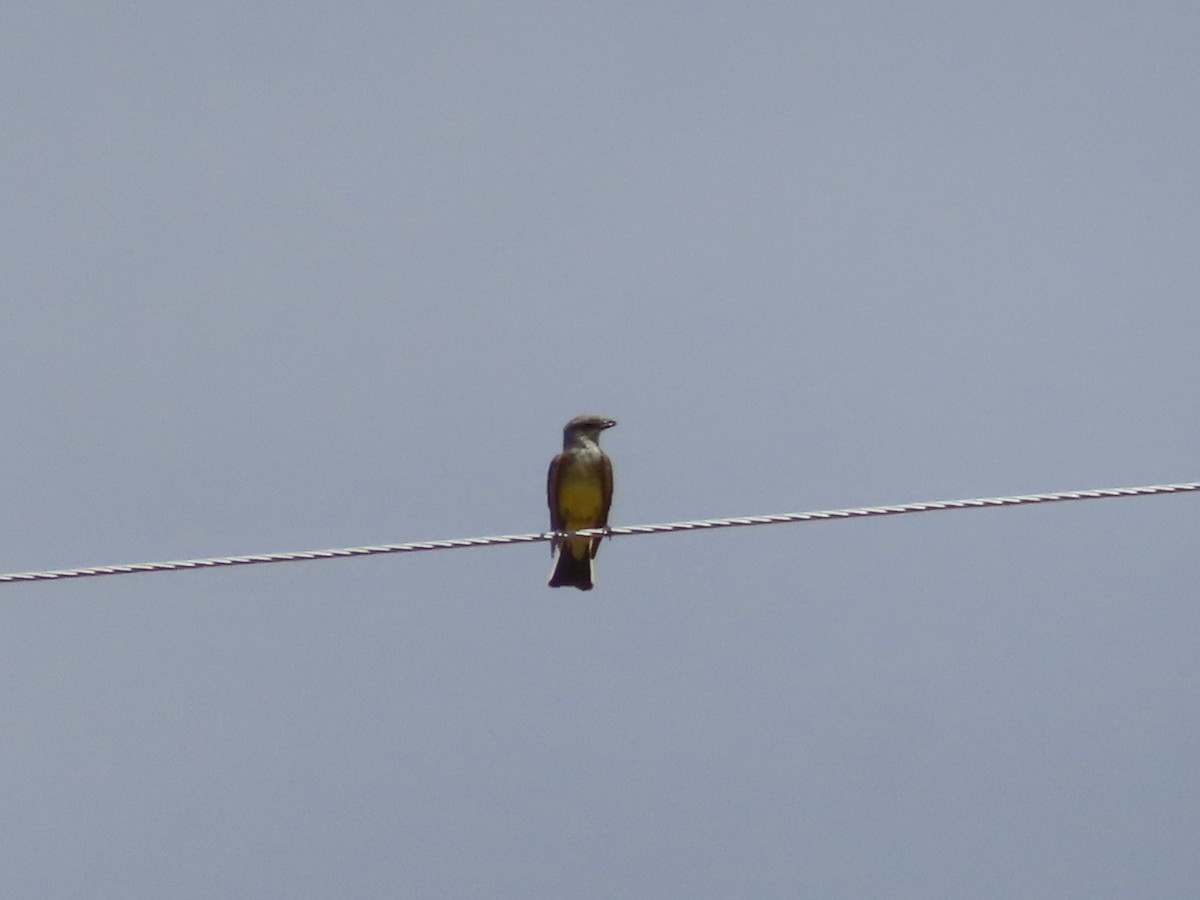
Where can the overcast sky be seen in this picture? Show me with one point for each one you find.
(285, 276)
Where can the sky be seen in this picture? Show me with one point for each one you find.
(296, 276)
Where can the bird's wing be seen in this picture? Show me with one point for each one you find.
(606, 481)
(552, 480)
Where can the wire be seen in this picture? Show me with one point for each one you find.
(820, 516)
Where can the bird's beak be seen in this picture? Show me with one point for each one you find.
(608, 423)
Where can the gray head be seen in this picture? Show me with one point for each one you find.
(585, 427)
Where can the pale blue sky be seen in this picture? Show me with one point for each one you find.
(290, 276)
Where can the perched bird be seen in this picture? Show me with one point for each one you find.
(579, 492)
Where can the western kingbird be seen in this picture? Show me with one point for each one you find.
(579, 492)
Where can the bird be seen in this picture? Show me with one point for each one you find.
(579, 489)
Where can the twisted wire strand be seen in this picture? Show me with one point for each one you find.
(696, 524)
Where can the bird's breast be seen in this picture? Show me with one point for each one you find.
(581, 492)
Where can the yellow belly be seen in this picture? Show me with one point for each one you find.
(581, 498)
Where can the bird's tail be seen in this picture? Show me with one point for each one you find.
(571, 570)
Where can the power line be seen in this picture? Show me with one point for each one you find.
(694, 525)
